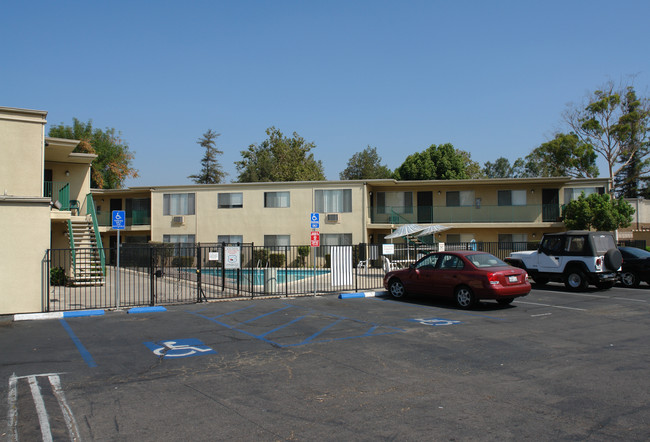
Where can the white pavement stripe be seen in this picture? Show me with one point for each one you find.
(554, 306)
(12, 414)
(43, 419)
(70, 421)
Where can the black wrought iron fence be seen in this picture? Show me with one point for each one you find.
(158, 274)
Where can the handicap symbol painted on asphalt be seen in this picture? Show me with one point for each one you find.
(179, 348)
(435, 321)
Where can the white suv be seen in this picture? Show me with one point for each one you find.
(577, 258)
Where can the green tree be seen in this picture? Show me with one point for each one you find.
(211, 172)
(365, 165)
(279, 159)
(564, 155)
(442, 162)
(598, 212)
(113, 163)
(606, 122)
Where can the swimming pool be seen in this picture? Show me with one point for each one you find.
(258, 275)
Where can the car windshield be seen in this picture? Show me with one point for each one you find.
(482, 260)
(636, 253)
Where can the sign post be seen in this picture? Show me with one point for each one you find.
(314, 223)
(118, 223)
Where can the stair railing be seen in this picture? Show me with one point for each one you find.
(90, 210)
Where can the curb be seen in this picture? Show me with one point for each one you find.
(57, 315)
(361, 295)
(137, 310)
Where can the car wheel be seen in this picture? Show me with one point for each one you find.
(506, 301)
(396, 289)
(630, 279)
(576, 280)
(464, 297)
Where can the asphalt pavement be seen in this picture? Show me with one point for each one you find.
(554, 365)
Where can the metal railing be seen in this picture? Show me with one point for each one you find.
(479, 213)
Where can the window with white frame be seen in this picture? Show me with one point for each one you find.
(460, 198)
(233, 200)
(512, 197)
(398, 202)
(327, 240)
(230, 239)
(277, 240)
(333, 201)
(277, 199)
(178, 204)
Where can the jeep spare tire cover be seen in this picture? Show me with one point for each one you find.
(613, 259)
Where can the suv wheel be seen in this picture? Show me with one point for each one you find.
(576, 280)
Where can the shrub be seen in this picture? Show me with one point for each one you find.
(183, 261)
(57, 276)
(276, 259)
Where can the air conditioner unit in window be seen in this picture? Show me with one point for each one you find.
(332, 218)
(178, 220)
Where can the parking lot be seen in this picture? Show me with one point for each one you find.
(554, 365)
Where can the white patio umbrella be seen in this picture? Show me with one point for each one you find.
(405, 230)
(430, 230)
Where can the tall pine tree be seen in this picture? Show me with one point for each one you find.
(211, 172)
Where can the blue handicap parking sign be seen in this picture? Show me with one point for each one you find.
(315, 220)
(118, 219)
(179, 348)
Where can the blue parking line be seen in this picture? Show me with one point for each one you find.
(267, 314)
(293, 321)
(85, 354)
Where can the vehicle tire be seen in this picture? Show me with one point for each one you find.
(630, 279)
(396, 289)
(613, 259)
(576, 280)
(506, 301)
(464, 297)
(540, 280)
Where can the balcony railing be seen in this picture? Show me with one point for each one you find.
(58, 191)
(465, 214)
(133, 218)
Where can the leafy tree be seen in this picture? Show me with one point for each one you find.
(615, 130)
(279, 159)
(113, 163)
(599, 212)
(365, 165)
(211, 172)
(564, 155)
(441, 162)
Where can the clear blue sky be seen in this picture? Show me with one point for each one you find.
(492, 78)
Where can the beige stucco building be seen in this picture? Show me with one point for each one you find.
(46, 203)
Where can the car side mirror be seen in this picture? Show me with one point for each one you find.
(412, 266)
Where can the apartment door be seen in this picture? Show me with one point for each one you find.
(425, 207)
(550, 205)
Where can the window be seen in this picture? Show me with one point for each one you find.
(328, 240)
(573, 193)
(428, 263)
(276, 199)
(277, 240)
(513, 241)
(460, 198)
(178, 204)
(398, 202)
(230, 239)
(230, 200)
(451, 262)
(512, 197)
(333, 201)
(183, 244)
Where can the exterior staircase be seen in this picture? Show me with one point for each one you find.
(86, 265)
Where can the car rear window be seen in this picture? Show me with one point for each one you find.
(603, 243)
(483, 260)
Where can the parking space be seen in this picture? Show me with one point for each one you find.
(322, 367)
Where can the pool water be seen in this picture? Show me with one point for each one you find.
(281, 275)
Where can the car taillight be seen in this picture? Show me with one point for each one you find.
(598, 262)
(493, 278)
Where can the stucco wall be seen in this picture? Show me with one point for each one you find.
(25, 237)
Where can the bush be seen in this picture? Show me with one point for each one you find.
(183, 261)
(276, 259)
(57, 276)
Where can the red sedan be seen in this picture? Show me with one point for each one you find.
(466, 276)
